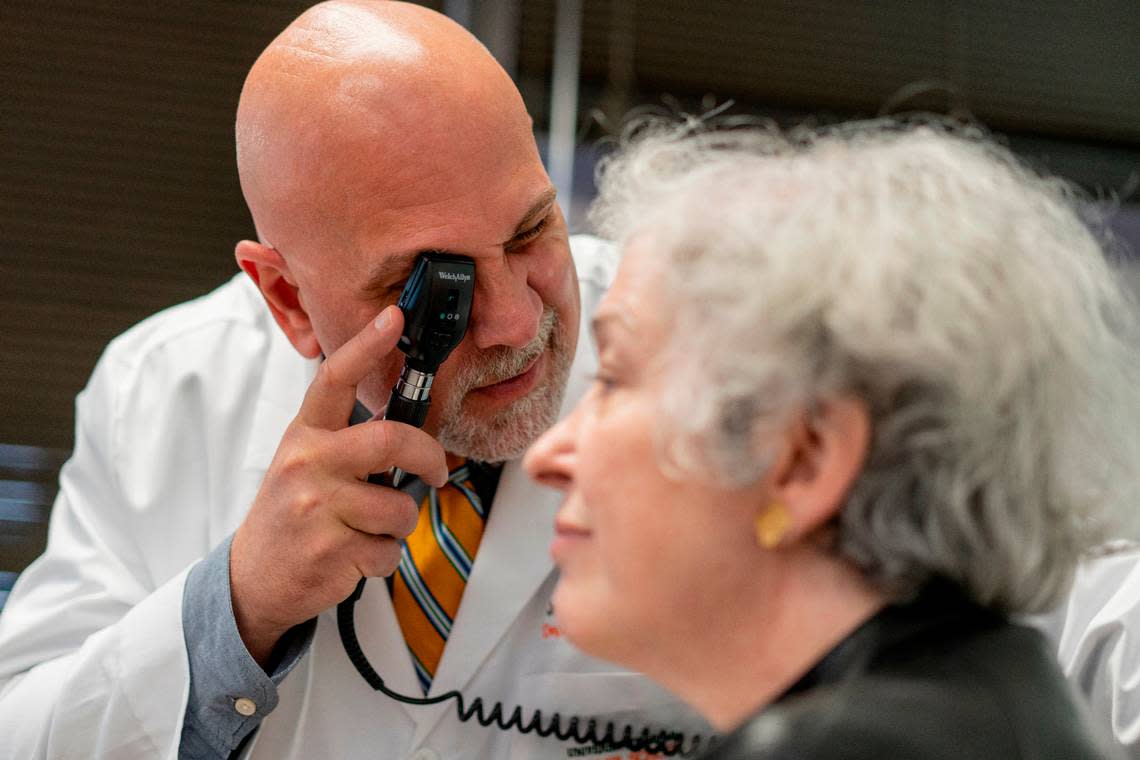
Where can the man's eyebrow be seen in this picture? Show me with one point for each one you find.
(398, 265)
(386, 273)
(537, 210)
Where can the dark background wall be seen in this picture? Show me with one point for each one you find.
(1048, 67)
(119, 191)
(1059, 81)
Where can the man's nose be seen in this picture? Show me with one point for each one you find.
(552, 458)
(506, 310)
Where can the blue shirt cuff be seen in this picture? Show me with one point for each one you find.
(230, 694)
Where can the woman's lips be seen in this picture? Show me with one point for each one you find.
(519, 385)
(566, 536)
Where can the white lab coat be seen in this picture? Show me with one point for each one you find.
(1097, 631)
(174, 433)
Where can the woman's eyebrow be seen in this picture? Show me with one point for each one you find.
(608, 320)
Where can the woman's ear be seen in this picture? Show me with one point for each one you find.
(269, 271)
(822, 454)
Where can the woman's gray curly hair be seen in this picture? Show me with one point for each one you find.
(926, 270)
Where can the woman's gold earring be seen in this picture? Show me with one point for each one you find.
(772, 525)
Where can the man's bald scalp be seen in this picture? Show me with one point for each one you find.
(345, 75)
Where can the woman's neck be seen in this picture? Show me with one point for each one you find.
(770, 636)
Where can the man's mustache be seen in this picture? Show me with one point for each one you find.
(503, 362)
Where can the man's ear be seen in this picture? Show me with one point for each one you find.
(268, 270)
(823, 453)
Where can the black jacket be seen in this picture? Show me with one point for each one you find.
(936, 678)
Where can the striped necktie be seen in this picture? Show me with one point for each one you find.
(434, 567)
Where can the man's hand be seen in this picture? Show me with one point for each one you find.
(316, 527)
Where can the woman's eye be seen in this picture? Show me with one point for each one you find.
(604, 383)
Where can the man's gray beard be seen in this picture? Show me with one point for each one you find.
(510, 431)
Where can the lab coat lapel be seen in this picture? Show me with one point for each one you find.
(512, 562)
(382, 641)
(514, 555)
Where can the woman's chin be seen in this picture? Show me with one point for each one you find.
(583, 621)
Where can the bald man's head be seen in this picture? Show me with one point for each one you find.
(354, 95)
(368, 132)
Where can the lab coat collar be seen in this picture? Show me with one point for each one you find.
(286, 376)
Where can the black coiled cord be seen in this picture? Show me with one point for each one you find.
(665, 742)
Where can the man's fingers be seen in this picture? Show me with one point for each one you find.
(376, 510)
(376, 556)
(380, 445)
(331, 396)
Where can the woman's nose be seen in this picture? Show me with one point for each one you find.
(551, 459)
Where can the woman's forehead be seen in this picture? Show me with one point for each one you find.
(633, 306)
